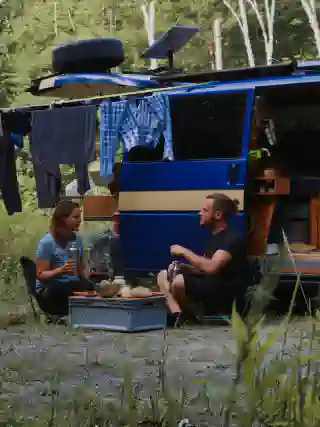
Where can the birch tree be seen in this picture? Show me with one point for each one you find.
(265, 18)
(149, 18)
(217, 38)
(309, 6)
(242, 20)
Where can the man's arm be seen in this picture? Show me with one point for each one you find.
(209, 266)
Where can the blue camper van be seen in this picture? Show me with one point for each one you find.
(251, 133)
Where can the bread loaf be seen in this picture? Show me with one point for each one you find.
(141, 292)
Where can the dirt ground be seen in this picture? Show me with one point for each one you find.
(35, 358)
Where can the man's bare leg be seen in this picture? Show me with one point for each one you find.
(178, 291)
(179, 294)
(164, 287)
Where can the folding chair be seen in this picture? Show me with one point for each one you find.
(30, 277)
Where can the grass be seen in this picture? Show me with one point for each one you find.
(246, 375)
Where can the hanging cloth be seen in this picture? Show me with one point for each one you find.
(133, 125)
(64, 135)
(161, 123)
(18, 123)
(111, 117)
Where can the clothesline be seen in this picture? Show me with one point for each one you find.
(68, 136)
(95, 100)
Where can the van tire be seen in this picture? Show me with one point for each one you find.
(87, 56)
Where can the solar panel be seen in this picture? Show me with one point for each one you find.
(170, 42)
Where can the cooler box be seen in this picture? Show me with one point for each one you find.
(118, 314)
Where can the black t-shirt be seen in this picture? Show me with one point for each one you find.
(229, 240)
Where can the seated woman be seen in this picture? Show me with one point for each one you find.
(58, 276)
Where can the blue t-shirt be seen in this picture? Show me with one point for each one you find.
(49, 250)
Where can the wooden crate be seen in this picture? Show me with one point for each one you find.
(99, 207)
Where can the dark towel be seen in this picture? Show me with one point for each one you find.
(64, 135)
(8, 176)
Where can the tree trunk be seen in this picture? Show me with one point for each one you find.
(266, 24)
(309, 6)
(217, 44)
(149, 18)
(243, 24)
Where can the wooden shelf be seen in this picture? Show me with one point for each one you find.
(267, 178)
(281, 186)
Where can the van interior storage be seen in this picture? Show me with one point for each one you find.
(285, 180)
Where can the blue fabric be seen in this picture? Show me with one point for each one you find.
(49, 250)
(64, 135)
(133, 125)
(129, 131)
(48, 185)
(82, 178)
(161, 123)
(17, 139)
(111, 117)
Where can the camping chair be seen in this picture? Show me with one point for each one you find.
(30, 277)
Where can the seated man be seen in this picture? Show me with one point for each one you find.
(216, 274)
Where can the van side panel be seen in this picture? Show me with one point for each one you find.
(159, 201)
(151, 234)
(184, 175)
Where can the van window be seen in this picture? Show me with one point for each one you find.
(203, 127)
(208, 126)
(146, 154)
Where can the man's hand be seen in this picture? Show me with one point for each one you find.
(177, 250)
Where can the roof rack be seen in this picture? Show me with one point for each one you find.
(309, 67)
(262, 71)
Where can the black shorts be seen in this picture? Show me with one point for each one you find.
(202, 288)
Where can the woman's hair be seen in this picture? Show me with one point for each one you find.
(62, 211)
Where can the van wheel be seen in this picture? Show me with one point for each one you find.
(87, 56)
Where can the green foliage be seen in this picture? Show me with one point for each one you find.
(275, 391)
(271, 388)
(30, 29)
(19, 235)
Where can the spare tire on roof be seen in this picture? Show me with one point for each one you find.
(87, 56)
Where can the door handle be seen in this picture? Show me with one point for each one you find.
(234, 170)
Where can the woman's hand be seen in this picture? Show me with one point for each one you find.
(45, 271)
(68, 268)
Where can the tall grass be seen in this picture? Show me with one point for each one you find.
(19, 235)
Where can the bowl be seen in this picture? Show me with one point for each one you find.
(107, 288)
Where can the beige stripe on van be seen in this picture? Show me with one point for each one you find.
(186, 200)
